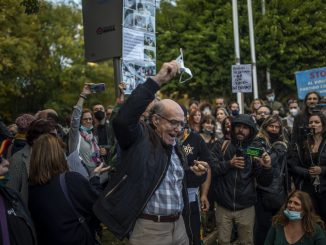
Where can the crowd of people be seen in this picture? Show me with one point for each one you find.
(148, 169)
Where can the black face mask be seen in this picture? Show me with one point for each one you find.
(99, 115)
(273, 137)
(260, 121)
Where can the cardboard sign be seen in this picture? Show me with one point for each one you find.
(241, 79)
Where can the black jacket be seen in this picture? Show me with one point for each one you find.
(54, 219)
(278, 153)
(235, 188)
(144, 162)
(20, 226)
(300, 161)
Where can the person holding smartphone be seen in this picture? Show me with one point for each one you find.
(82, 141)
(237, 175)
(270, 198)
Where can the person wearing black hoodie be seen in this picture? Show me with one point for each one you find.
(237, 174)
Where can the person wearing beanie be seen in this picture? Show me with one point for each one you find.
(16, 223)
(19, 141)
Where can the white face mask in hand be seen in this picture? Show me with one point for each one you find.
(183, 69)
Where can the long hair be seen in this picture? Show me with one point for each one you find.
(309, 219)
(309, 140)
(262, 133)
(322, 119)
(305, 107)
(47, 160)
(252, 107)
(191, 117)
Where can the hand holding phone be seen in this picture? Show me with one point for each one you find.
(96, 87)
(254, 151)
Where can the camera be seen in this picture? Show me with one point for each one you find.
(304, 132)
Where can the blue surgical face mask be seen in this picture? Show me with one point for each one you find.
(88, 130)
(292, 215)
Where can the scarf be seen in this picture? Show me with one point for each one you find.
(89, 138)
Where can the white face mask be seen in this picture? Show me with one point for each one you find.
(294, 112)
(270, 98)
(183, 69)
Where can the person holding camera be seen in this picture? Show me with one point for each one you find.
(270, 198)
(301, 120)
(308, 162)
(237, 174)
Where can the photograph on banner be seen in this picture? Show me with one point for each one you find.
(150, 9)
(241, 78)
(150, 26)
(128, 20)
(149, 54)
(131, 4)
(140, 21)
(128, 77)
(135, 73)
(149, 40)
(311, 80)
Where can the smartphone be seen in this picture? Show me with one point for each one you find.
(254, 151)
(97, 87)
(239, 152)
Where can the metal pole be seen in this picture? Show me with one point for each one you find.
(263, 10)
(117, 74)
(268, 74)
(252, 49)
(240, 97)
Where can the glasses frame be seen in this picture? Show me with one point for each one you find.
(174, 123)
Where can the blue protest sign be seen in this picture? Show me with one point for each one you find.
(311, 80)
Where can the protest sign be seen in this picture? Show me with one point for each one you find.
(241, 78)
(139, 42)
(311, 80)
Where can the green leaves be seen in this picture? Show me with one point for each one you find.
(291, 36)
(42, 60)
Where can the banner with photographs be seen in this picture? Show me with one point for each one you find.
(139, 42)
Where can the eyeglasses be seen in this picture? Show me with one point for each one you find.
(87, 119)
(174, 123)
(263, 113)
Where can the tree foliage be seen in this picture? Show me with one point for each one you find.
(42, 60)
(289, 37)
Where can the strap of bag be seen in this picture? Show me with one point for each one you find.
(225, 145)
(81, 218)
(3, 222)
